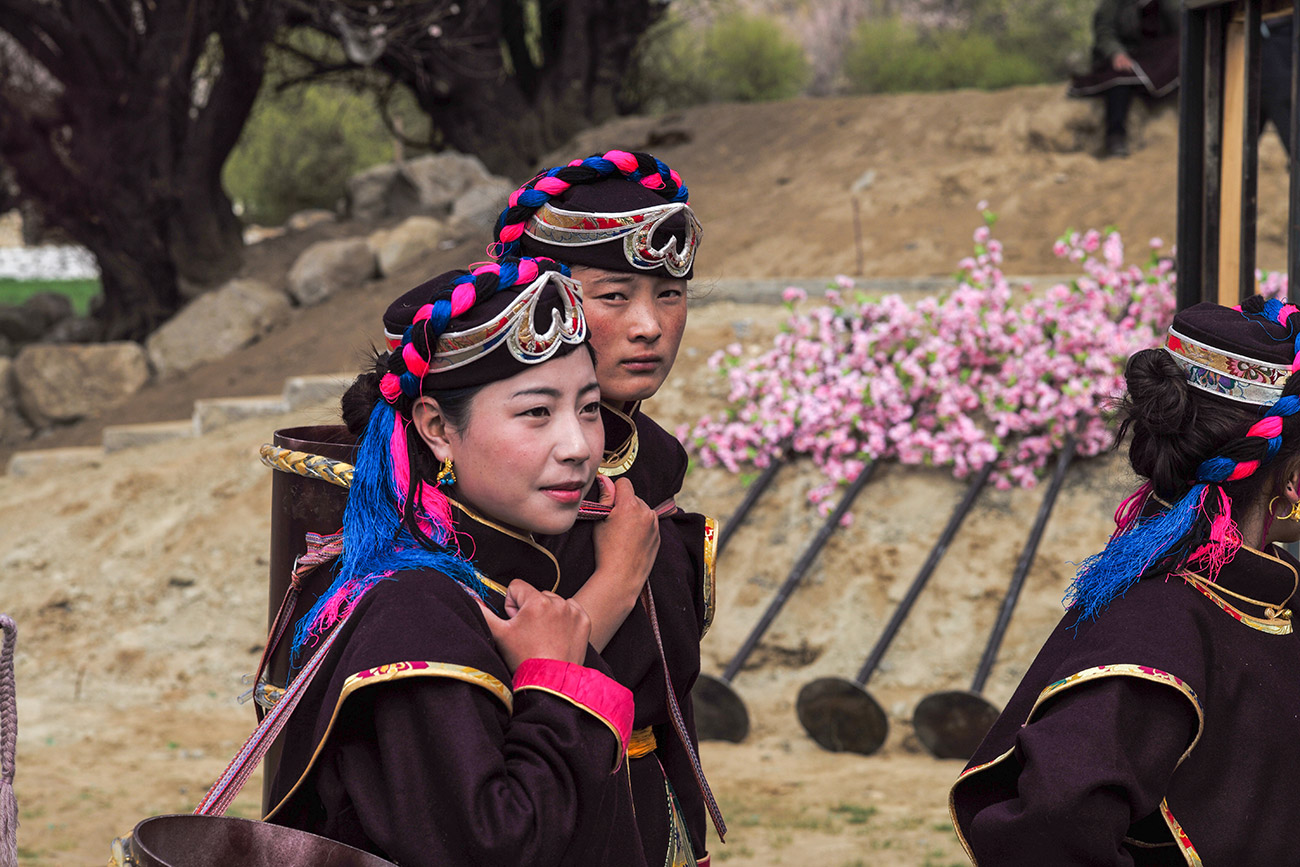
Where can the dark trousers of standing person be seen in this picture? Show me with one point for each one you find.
(1118, 100)
(1275, 79)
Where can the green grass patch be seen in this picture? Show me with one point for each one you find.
(79, 292)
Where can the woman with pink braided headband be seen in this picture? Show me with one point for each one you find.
(1157, 725)
(623, 222)
(460, 715)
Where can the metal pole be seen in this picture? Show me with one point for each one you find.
(1250, 150)
(1191, 159)
(755, 490)
(1022, 568)
(1211, 77)
(1293, 222)
(927, 569)
(840, 715)
(800, 568)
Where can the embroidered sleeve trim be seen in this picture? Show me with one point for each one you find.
(710, 559)
(601, 696)
(1141, 672)
(385, 674)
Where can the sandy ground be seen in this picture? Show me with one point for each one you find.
(139, 585)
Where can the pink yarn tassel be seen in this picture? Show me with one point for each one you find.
(434, 508)
(1131, 509)
(1225, 540)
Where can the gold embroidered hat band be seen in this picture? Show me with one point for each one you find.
(1227, 374)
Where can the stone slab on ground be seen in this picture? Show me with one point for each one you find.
(40, 462)
(126, 436)
(301, 391)
(213, 413)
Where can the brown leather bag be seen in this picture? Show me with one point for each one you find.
(186, 840)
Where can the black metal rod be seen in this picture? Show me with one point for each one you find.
(1214, 22)
(1250, 150)
(1293, 222)
(755, 490)
(796, 574)
(927, 569)
(1022, 568)
(1191, 159)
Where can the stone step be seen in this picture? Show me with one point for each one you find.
(302, 391)
(126, 436)
(213, 413)
(42, 462)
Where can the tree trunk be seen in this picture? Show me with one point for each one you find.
(120, 155)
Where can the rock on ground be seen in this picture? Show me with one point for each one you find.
(405, 244)
(65, 382)
(441, 178)
(12, 424)
(382, 191)
(216, 324)
(482, 204)
(328, 266)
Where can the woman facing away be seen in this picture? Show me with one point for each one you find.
(623, 222)
(1158, 723)
(460, 716)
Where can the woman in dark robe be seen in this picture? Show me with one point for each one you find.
(442, 730)
(623, 222)
(1158, 723)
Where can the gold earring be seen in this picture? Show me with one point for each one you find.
(1292, 515)
(447, 474)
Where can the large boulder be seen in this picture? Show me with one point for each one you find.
(480, 205)
(407, 243)
(328, 266)
(382, 191)
(216, 324)
(13, 426)
(62, 383)
(441, 178)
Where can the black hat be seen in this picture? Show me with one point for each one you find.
(620, 211)
(1244, 354)
(470, 328)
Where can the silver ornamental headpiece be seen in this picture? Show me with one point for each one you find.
(563, 228)
(514, 326)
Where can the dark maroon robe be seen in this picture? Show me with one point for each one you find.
(682, 583)
(410, 743)
(1163, 732)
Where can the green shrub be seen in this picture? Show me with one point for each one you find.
(889, 56)
(299, 148)
(738, 58)
(667, 72)
(750, 59)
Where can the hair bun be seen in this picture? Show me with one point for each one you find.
(1160, 402)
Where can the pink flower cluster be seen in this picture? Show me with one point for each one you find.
(986, 372)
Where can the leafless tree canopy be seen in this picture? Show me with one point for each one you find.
(116, 116)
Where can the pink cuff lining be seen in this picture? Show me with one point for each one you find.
(585, 687)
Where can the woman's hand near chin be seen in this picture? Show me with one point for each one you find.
(542, 625)
(627, 542)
